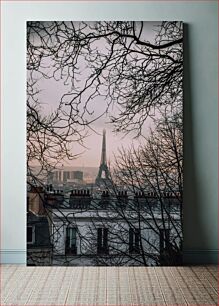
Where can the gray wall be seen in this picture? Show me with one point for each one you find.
(200, 115)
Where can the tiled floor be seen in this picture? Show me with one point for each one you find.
(79, 286)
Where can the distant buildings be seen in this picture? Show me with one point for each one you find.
(77, 175)
(65, 180)
(63, 176)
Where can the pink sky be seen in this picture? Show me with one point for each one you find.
(50, 95)
(52, 91)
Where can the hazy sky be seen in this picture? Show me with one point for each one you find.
(52, 91)
(50, 95)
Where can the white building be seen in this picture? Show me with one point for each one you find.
(115, 230)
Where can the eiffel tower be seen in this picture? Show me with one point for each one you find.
(101, 179)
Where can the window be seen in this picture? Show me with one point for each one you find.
(30, 234)
(28, 200)
(134, 240)
(71, 241)
(164, 239)
(102, 241)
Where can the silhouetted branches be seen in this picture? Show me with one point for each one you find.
(112, 60)
(137, 74)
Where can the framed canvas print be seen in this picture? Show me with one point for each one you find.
(104, 143)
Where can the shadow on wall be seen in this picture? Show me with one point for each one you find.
(192, 227)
